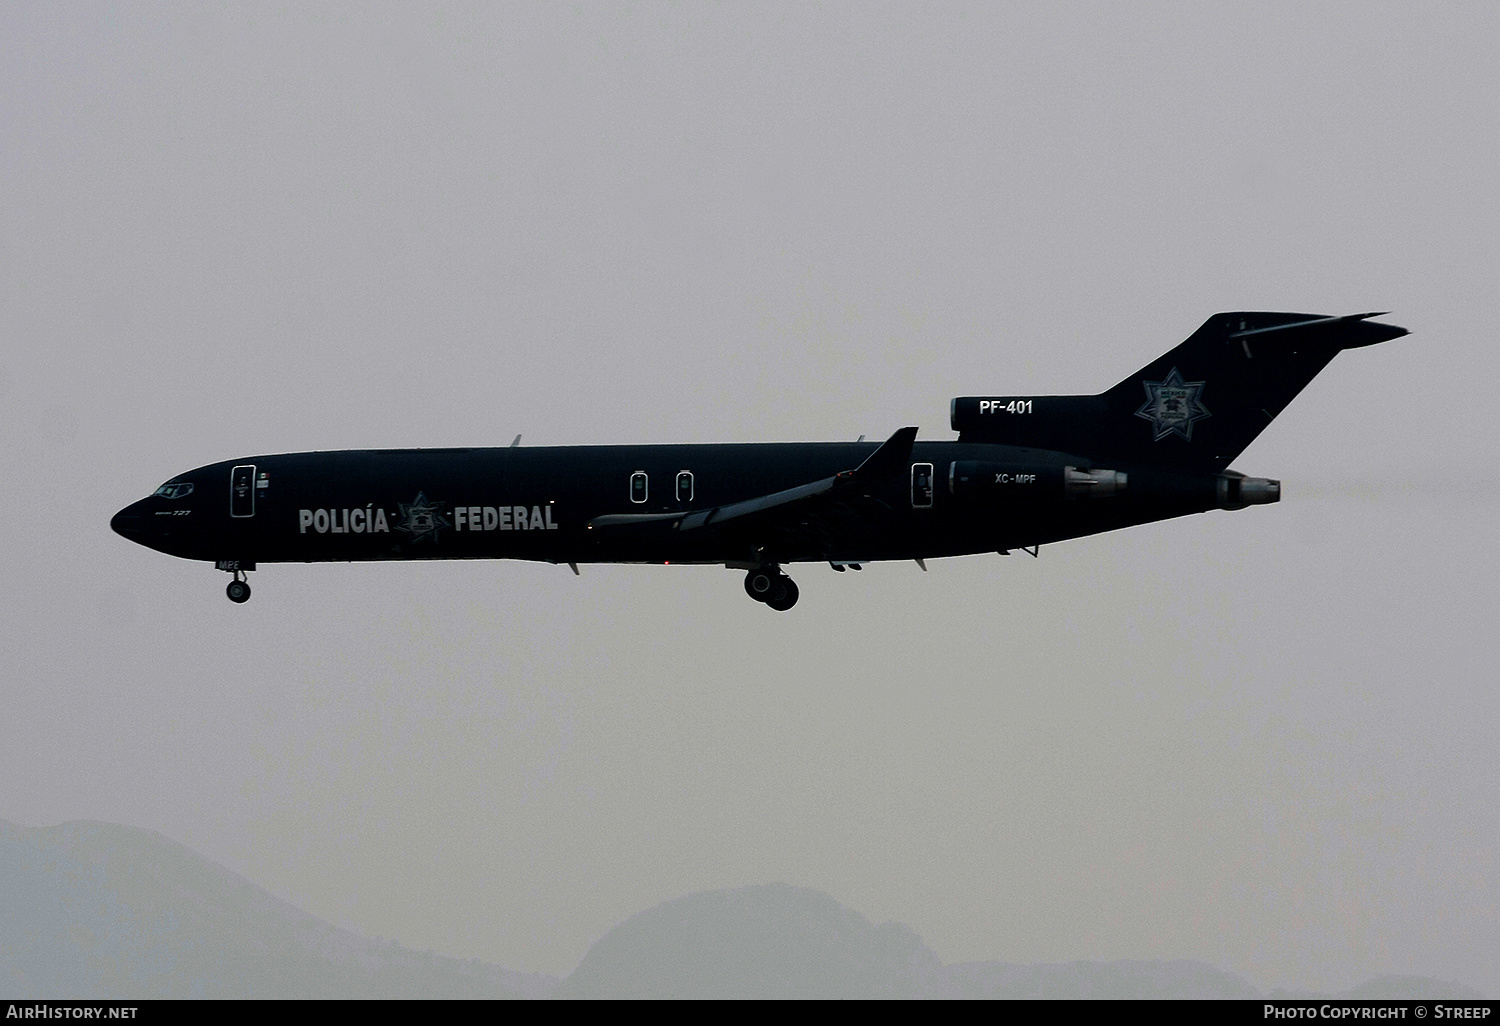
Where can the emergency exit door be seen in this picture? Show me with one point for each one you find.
(921, 485)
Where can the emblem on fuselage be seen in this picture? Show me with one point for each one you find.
(1172, 406)
(421, 519)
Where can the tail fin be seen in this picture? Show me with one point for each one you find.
(1196, 407)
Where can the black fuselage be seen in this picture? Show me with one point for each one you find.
(537, 504)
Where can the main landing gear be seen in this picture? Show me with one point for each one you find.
(769, 585)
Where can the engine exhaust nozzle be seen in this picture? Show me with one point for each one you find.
(1236, 491)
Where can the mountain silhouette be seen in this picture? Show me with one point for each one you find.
(102, 910)
(99, 910)
(773, 941)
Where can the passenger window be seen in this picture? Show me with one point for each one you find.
(638, 486)
(685, 486)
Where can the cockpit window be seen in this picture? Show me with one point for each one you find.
(175, 489)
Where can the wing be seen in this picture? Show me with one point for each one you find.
(802, 518)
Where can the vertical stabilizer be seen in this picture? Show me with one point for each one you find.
(1196, 407)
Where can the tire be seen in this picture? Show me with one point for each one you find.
(786, 598)
(238, 591)
(761, 585)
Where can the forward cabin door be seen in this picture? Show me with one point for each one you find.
(242, 491)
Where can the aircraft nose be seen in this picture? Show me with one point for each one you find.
(128, 523)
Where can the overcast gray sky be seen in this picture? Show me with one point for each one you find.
(1266, 739)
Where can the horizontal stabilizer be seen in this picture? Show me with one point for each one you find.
(1335, 327)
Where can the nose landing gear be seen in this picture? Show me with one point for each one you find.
(769, 585)
(239, 588)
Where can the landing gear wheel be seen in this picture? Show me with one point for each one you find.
(786, 598)
(238, 591)
(761, 584)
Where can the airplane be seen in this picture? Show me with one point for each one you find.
(1026, 470)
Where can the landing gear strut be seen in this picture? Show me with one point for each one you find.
(769, 585)
(239, 588)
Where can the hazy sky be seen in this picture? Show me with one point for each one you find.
(1266, 739)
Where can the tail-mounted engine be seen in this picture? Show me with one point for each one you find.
(1236, 491)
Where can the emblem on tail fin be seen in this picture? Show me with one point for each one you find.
(1172, 406)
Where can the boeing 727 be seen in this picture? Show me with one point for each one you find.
(1025, 470)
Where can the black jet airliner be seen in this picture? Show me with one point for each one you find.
(1025, 470)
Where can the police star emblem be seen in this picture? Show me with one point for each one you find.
(1173, 406)
(421, 519)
